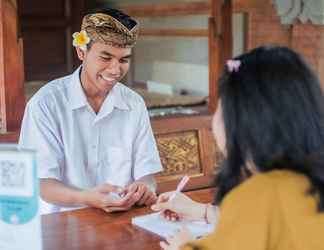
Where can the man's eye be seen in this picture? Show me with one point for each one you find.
(105, 58)
(126, 60)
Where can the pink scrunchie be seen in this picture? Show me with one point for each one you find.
(233, 65)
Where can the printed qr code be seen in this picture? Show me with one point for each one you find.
(12, 174)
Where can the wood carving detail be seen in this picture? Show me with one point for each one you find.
(179, 153)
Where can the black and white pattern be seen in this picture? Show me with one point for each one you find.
(12, 174)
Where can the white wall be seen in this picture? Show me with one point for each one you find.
(179, 61)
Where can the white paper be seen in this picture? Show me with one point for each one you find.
(155, 223)
(115, 196)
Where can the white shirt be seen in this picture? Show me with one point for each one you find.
(83, 149)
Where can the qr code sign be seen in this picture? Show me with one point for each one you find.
(16, 174)
(12, 174)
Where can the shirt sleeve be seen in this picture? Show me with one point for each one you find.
(39, 132)
(248, 219)
(146, 156)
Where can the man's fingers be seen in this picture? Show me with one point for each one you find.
(151, 200)
(107, 188)
(132, 200)
(141, 191)
(132, 187)
(148, 199)
(127, 201)
(145, 196)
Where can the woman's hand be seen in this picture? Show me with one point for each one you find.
(176, 241)
(180, 207)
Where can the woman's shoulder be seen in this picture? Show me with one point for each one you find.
(274, 177)
(280, 177)
(271, 183)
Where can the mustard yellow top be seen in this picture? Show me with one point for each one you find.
(269, 211)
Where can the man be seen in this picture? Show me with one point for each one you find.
(93, 134)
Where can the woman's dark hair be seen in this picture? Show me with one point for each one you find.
(273, 110)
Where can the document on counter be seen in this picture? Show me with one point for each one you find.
(155, 223)
(19, 200)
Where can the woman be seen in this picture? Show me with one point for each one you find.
(269, 125)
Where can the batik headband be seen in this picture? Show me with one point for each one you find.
(106, 29)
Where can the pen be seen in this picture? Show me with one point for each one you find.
(180, 186)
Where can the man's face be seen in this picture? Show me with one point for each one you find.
(103, 66)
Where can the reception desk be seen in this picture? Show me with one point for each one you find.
(94, 229)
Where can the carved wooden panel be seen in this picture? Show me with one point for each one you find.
(187, 147)
(179, 153)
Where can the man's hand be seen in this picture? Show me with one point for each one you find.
(99, 197)
(145, 195)
(55, 192)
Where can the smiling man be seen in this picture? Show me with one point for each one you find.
(92, 133)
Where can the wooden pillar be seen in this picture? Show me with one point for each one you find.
(12, 100)
(220, 45)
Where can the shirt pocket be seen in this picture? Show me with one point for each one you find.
(117, 166)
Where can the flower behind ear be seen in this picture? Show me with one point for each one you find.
(81, 39)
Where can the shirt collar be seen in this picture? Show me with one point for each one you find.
(119, 100)
(78, 99)
(76, 96)
(113, 100)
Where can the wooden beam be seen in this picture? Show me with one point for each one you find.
(12, 100)
(227, 32)
(167, 9)
(175, 32)
(181, 9)
(220, 45)
(48, 22)
(214, 55)
(248, 5)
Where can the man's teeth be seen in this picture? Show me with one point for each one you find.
(108, 79)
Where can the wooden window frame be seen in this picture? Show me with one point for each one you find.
(219, 31)
(12, 98)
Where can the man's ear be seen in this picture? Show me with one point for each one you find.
(80, 53)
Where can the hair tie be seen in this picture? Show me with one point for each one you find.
(233, 65)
